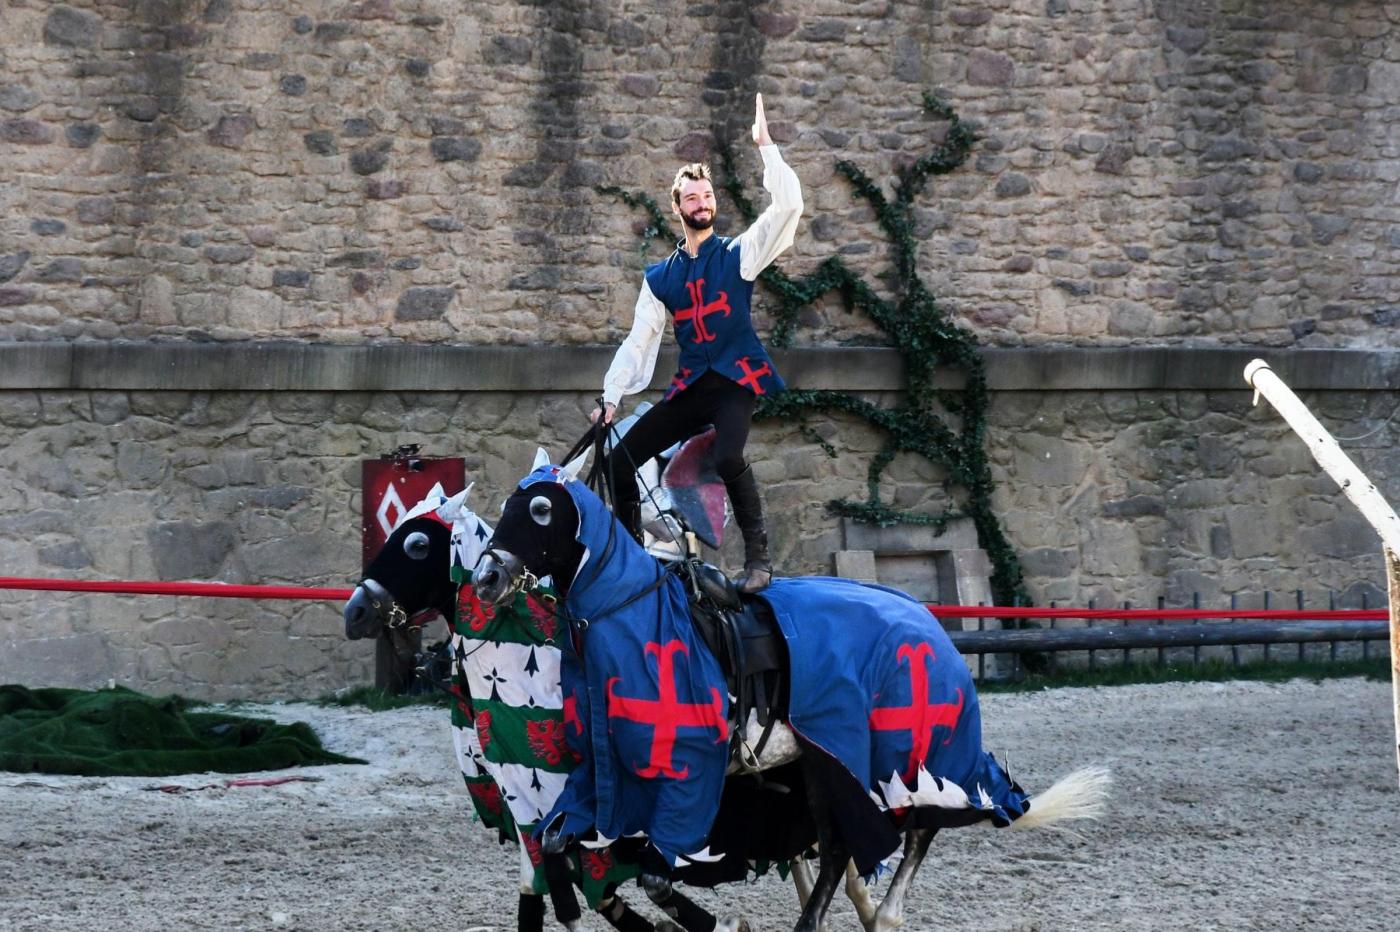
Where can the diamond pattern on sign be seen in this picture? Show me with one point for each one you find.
(390, 503)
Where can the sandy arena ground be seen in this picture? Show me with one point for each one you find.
(1237, 806)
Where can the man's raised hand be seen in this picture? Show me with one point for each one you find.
(760, 123)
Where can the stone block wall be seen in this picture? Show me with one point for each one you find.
(1109, 495)
(238, 487)
(177, 175)
(424, 170)
(1132, 496)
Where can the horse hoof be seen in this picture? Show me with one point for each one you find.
(657, 889)
(732, 924)
(554, 842)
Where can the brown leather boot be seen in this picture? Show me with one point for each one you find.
(748, 514)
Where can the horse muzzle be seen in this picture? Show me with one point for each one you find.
(369, 610)
(498, 575)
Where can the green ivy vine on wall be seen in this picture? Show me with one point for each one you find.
(918, 327)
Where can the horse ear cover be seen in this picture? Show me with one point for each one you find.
(452, 509)
(574, 467)
(541, 459)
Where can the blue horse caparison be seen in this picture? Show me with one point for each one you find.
(509, 715)
(885, 706)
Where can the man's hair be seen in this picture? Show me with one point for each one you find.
(695, 171)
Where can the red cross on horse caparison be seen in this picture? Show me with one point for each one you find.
(666, 713)
(920, 717)
(699, 310)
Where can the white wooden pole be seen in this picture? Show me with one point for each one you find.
(1362, 492)
(1392, 572)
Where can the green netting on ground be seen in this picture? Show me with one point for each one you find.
(118, 732)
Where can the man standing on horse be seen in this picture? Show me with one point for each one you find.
(706, 286)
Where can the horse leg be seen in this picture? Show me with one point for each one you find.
(530, 912)
(690, 916)
(623, 917)
(802, 880)
(859, 895)
(832, 856)
(561, 890)
(529, 915)
(891, 911)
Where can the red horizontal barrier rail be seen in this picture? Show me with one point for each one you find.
(228, 591)
(207, 590)
(1159, 614)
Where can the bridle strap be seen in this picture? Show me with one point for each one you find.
(392, 615)
(583, 623)
(601, 479)
(582, 445)
(526, 581)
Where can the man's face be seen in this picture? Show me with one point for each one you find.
(697, 204)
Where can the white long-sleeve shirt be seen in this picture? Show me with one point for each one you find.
(758, 246)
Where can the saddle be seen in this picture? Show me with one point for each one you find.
(744, 637)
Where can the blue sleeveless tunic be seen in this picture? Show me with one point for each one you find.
(709, 304)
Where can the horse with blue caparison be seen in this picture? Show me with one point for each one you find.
(510, 726)
(880, 704)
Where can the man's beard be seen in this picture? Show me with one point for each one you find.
(694, 224)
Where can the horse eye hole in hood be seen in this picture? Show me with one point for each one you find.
(416, 545)
(540, 510)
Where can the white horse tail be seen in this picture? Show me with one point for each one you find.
(1082, 794)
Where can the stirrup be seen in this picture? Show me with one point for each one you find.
(755, 578)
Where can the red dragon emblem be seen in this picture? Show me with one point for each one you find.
(483, 729)
(542, 616)
(488, 794)
(478, 616)
(547, 741)
(464, 705)
(597, 863)
(532, 848)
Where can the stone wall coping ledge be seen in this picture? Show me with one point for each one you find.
(296, 366)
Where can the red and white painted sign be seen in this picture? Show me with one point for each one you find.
(392, 485)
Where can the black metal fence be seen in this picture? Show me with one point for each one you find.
(1059, 638)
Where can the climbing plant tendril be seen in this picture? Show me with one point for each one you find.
(658, 227)
(926, 338)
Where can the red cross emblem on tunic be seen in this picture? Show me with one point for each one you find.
(666, 713)
(678, 382)
(699, 310)
(750, 379)
(920, 717)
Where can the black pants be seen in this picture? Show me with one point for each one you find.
(711, 399)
